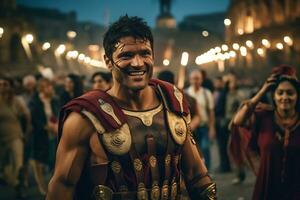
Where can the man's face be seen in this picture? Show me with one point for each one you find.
(285, 96)
(132, 63)
(47, 89)
(196, 78)
(4, 86)
(30, 85)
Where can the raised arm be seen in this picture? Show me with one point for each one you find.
(244, 113)
(199, 184)
(71, 154)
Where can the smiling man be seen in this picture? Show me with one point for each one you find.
(133, 141)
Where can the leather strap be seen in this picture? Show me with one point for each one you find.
(152, 158)
(142, 193)
(165, 190)
(117, 170)
(155, 190)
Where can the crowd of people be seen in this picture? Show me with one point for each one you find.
(264, 122)
(29, 119)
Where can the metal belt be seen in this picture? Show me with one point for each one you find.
(102, 192)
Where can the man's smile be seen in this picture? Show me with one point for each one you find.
(136, 73)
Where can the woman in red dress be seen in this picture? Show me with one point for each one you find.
(275, 136)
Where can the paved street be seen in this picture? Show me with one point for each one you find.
(227, 191)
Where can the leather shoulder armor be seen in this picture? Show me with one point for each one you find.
(107, 118)
(175, 99)
(178, 114)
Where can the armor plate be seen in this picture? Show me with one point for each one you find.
(118, 142)
(178, 127)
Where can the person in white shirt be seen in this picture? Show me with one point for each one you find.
(204, 97)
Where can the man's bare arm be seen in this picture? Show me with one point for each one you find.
(71, 154)
(198, 183)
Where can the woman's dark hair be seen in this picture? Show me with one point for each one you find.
(105, 75)
(295, 84)
(78, 85)
(126, 26)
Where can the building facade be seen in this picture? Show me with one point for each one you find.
(268, 29)
(30, 37)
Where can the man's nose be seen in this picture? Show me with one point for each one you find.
(137, 61)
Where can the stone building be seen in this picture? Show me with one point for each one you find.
(12, 29)
(273, 29)
(26, 30)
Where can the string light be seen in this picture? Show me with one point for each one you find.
(218, 49)
(224, 47)
(227, 22)
(205, 33)
(46, 46)
(279, 46)
(96, 63)
(166, 62)
(71, 34)
(81, 57)
(249, 44)
(29, 38)
(1, 32)
(243, 51)
(260, 51)
(288, 40)
(60, 49)
(235, 46)
(266, 43)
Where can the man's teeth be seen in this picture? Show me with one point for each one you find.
(137, 73)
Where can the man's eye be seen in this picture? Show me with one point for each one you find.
(145, 53)
(126, 56)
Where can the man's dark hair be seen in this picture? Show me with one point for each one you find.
(105, 75)
(126, 26)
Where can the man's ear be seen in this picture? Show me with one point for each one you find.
(107, 62)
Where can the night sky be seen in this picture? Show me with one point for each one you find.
(106, 11)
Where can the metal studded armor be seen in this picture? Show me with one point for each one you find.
(143, 147)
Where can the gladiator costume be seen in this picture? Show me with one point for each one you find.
(143, 147)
